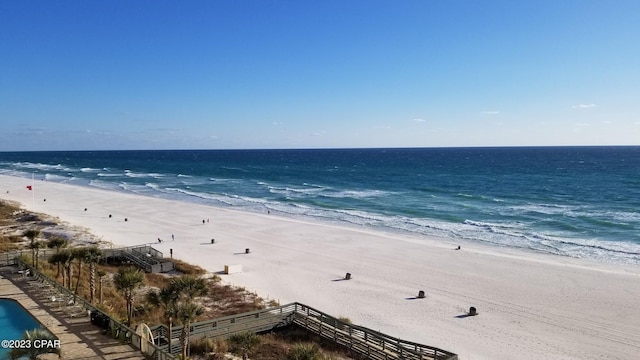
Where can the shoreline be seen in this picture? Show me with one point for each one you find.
(477, 244)
(530, 305)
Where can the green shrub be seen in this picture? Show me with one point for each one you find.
(304, 352)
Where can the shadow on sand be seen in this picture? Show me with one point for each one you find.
(465, 315)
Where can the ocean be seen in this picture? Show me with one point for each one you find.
(580, 202)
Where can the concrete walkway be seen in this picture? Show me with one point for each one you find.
(79, 338)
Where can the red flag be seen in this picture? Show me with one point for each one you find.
(29, 187)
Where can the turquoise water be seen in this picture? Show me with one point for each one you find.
(14, 321)
(581, 202)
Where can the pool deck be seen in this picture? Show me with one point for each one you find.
(78, 337)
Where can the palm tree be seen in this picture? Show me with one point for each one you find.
(35, 247)
(57, 243)
(57, 259)
(187, 312)
(126, 281)
(166, 299)
(63, 258)
(188, 287)
(33, 352)
(176, 299)
(68, 266)
(244, 342)
(101, 274)
(92, 256)
(32, 234)
(79, 254)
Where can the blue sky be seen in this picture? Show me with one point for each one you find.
(90, 75)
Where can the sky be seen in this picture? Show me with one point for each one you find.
(233, 74)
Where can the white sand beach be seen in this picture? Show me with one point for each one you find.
(531, 306)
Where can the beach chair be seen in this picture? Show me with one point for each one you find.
(24, 273)
(75, 311)
(56, 301)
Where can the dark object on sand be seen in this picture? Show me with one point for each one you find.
(125, 219)
(421, 294)
(171, 253)
(473, 311)
(347, 276)
(458, 248)
(109, 216)
(85, 209)
(246, 251)
(213, 241)
(45, 200)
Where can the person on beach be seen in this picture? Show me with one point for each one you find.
(202, 221)
(172, 238)
(159, 240)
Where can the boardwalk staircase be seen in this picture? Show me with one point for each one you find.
(360, 340)
(145, 257)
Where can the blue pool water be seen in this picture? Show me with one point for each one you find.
(14, 320)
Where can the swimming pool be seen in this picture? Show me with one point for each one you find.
(14, 320)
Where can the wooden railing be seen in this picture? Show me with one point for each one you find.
(145, 257)
(115, 329)
(372, 344)
(358, 339)
(8, 258)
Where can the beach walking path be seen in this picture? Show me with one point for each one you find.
(530, 306)
(79, 339)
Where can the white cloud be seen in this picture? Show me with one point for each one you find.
(583, 106)
(419, 120)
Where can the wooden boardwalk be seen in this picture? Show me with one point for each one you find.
(372, 344)
(79, 339)
(361, 340)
